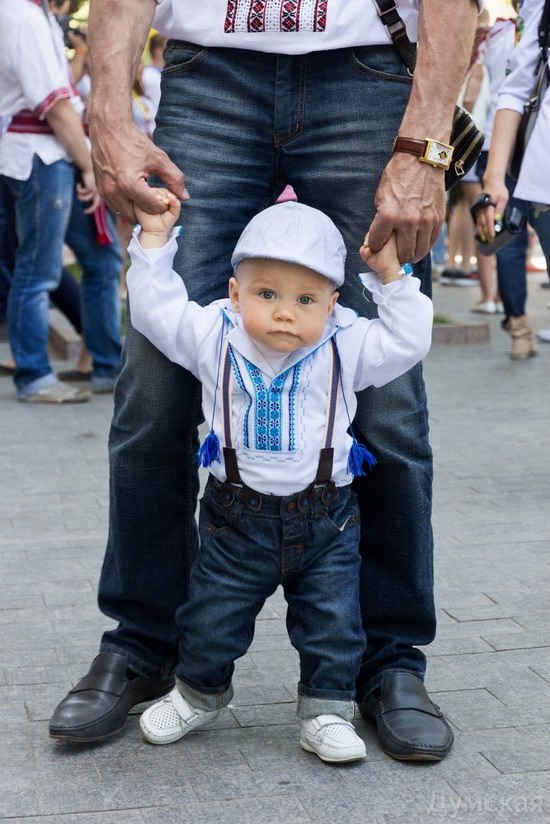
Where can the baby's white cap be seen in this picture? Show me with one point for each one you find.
(295, 233)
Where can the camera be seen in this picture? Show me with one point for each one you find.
(513, 222)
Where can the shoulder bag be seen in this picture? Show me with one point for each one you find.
(466, 139)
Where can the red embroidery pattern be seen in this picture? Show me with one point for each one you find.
(51, 99)
(275, 16)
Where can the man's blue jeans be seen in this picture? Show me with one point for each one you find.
(100, 300)
(42, 207)
(241, 125)
(312, 552)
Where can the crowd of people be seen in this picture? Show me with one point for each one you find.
(309, 377)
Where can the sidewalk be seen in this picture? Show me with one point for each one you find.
(489, 667)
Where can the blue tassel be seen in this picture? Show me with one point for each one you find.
(358, 455)
(210, 450)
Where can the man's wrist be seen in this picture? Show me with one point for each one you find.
(428, 150)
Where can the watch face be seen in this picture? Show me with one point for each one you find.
(438, 153)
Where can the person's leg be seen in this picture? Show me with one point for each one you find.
(337, 170)
(512, 281)
(42, 206)
(236, 569)
(540, 221)
(485, 265)
(67, 299)
(100, 304)
(321, 563)
(8, 244)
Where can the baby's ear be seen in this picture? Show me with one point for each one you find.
(233, 288)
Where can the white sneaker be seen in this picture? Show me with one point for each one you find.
(173, 717)
(58, 393)
(331, 738)
(488, 307)
(543, 335)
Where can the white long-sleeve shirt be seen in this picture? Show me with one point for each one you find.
(534, 179)
(294, 390)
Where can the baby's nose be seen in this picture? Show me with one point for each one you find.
(284, 312)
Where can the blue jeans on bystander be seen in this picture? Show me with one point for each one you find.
(42, 208)
(100, 301)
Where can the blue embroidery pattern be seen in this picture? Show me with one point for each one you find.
(240, 383)
(265, 417)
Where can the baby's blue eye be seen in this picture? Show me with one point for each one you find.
(267, 294)
(305, 300)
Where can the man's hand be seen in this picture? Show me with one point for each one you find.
(123, 159)
(410, 201)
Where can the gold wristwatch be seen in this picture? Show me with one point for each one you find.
(430, 151)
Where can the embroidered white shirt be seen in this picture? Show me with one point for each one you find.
(281, 26)
(34, 74)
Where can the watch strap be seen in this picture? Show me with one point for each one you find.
(410, 144)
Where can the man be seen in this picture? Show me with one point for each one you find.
(39, 152)
(256, 95)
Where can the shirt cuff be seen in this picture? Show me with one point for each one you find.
(43, 108)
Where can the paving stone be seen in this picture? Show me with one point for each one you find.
(249, 811)
(265, 715)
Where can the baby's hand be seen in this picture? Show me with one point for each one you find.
(162, 223)
(385, 262)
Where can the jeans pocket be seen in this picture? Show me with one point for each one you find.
(182, 57)
(341, 522)
(380, 63)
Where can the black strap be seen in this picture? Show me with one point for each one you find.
(544, 31)
(395, 26)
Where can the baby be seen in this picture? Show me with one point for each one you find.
(280, 361)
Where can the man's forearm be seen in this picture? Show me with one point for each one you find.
(117, 33)
(445, 41)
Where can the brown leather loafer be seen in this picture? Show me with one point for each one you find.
(410, 726)
(99, 704)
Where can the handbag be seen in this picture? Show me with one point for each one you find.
(466, 139)
(531, 108)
